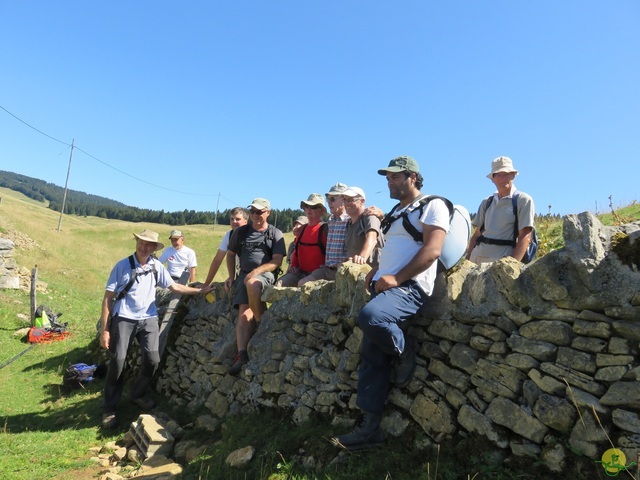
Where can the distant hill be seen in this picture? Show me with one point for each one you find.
(84, 204)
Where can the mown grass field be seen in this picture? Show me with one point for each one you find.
(46, 431)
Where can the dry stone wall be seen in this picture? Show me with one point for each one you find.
(9, 277)
(539, 359)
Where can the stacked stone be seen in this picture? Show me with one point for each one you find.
(9, 270)
(530, 357)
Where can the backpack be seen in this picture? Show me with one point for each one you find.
(532, 249)
(46, 327)
(79, 374)
(268, 240)
(321, 233)
(457, 238)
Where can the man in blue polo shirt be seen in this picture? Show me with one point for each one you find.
(128, 311)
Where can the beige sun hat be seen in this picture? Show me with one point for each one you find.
(175, 234)
(302, 220)
(500, 165)
(313, 200)
(149, 236)
(260, 204)
(336, 189)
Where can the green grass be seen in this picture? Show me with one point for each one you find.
(46, 431)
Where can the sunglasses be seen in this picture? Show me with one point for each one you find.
(257, 212)
(313, 207)
(332, 199)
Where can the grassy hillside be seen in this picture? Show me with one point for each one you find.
(46, 431)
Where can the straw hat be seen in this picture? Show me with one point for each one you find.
(149, 236)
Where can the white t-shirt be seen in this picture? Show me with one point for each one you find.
(224, 244)
(400, 247)
(178, 260)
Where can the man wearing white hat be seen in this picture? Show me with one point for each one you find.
(364, 235)
(179, 258)
(497, 235)
(128, 311)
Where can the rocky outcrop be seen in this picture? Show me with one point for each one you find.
(522, 355)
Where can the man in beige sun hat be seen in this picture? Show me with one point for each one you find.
(310, 245)
(497, 235)
(128, 311)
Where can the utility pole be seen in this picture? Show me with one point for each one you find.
(215, 217)
(66, 185)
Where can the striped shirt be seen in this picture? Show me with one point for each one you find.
(336, 236)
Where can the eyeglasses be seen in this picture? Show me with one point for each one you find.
(257, 212)
(350, 199)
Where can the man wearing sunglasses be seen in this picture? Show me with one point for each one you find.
(260, 248)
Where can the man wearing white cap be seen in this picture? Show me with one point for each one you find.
(364, 236)
(179, 258)
(497, 235)
(128, 311)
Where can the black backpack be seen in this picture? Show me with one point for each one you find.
(319, 244)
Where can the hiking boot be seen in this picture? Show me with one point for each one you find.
(366, 434)
(241, 359)
(145, 403)
(109, 420)
(405, 364)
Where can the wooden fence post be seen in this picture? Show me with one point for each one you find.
(34, 281)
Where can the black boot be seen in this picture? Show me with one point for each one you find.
(366, 434)
(405, 365)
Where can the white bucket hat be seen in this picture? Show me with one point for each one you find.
(501, 164)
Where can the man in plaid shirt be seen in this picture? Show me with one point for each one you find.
(336, 237)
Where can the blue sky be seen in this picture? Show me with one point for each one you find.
(198, 104)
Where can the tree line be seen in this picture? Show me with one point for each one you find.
(84, 204)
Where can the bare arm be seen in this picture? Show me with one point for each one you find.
(231, 268)
(192, 274)
(186, 290)
(370, 240)
(215, 265)
(107, 305)
(472, 242)
(524, 238)
(270, 266)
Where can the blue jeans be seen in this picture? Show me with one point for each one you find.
(122, 331)
(382, 321)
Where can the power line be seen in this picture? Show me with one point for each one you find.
(105, 163)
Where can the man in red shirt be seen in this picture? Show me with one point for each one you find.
(309, 250)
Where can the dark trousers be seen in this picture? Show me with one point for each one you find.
(383, 321)
(122, 332)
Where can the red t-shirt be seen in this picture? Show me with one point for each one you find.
(307, 255)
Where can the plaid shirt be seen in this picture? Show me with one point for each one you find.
(336, 237)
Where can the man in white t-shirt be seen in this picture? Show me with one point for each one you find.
(399, 286)
(179, 258)
(237, 217)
